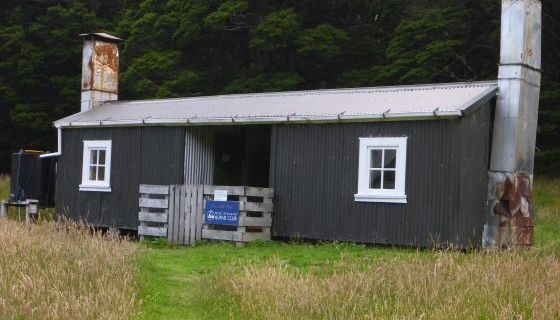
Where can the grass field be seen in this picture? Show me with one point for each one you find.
(76, 275)
(345, 281)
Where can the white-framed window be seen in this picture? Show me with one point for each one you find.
(382, 170)
(96, 166)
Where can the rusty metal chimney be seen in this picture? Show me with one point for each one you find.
(100, 69)
(509, 218)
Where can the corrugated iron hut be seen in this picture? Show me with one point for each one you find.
(402, 165)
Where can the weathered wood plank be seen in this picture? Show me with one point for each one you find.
(171, 214)
(186, 220)
(251, 236)
(259, 192)
(177, 199)
(255, 221)
(255, 206)
(142, 224)
(152, 217)
(200, 213)
(154, 189)
(181, 204)
(221, 235)
(179, 214)
(152, 231)
(153, 203)
(267, 199)
(191, 232)
(232, 190)
(192, 215)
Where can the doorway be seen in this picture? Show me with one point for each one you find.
(242, 156)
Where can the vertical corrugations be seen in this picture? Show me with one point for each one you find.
(315, 177)
(199, 155)
(149, 155)
(475, 136)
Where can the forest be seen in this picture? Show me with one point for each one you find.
(180, 48)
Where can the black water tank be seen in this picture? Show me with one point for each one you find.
(32, 177)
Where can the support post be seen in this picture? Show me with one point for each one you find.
(31, 209)
(3, 210)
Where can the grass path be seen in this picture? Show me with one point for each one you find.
(173, 276)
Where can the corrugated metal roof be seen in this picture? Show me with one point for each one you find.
(360, 104)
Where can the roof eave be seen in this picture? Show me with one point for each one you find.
(437, 115)
(478, 101)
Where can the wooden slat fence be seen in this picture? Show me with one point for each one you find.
(186, 213)
(154, 210)
(177, 212)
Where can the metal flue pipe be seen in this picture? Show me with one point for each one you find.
(509, 217)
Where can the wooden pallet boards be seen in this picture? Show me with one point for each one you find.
(177, 212)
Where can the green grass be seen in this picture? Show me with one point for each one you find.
(195, 282)
(173, 279)
(547, 215)
(4, 187)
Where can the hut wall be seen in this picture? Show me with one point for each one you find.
(149, 155)
(314, 170)
(475, 132)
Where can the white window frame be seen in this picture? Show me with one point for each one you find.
(365, 193)
(93, 185)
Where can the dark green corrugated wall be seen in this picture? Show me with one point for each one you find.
(314, 171)
(140, 155)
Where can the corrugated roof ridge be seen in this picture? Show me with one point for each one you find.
(381, 89)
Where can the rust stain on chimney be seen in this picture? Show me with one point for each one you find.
(104, 67)
(106, 53)
(515, 210)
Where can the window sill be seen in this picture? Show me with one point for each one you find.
(95, 188)
(399, 198)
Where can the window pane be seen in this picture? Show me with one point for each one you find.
(375, 179)
(101, 157)
(93, 157)
(92, 175)
(101, 173)
(389, 179)
(375, 161)
(390, 158)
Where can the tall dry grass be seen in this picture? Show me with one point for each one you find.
(64, 272)
(448, 285)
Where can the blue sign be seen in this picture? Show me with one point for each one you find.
(221, 212)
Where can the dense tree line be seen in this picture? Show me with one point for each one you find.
(177, 48)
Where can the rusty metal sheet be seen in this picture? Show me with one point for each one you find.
(105, 65)
(100, 66)
(511, 206)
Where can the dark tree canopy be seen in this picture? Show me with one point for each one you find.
(177, 48)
